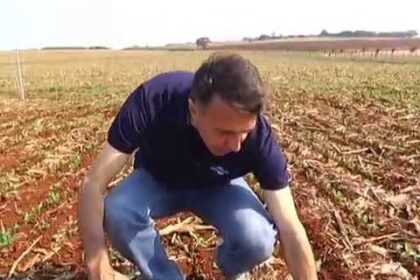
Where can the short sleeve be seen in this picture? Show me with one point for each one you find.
(130, 124)
(270, 164)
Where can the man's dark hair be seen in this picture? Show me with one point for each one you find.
(231, 77)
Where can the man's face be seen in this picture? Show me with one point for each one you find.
(222, 127)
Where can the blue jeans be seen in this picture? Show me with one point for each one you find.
(234, 210)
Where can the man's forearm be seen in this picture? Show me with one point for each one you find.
(298, 253)
(90, 218)
(295, 243)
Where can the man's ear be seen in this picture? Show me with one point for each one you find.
(192, 107)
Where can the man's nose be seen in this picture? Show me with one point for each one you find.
(235, 142)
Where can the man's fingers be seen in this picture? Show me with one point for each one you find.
(119, 276)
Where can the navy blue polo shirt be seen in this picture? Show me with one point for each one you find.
(154, 122)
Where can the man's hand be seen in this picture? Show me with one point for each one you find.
(297, 250)
(99, 268)
(91, 212)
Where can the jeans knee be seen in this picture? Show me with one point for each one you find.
(256, 239)
(119, 215)
(258, 246)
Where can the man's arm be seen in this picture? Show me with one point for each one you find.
(91, 210)
(294, 241)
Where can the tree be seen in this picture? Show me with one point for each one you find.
(346, 33)
(202, 42)
(412, 33)
(324, 33)
(263, 37)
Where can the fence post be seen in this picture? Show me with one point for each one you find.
(21, 86)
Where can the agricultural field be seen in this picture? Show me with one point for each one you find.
(350, 130)
(396, 46)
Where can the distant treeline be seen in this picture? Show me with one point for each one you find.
(343, 34)
(168, 47)
(137, 48)
(362, 33)
(75, 48)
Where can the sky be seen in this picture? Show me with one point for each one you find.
(122, 23)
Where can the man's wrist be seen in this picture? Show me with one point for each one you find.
(93, 258)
